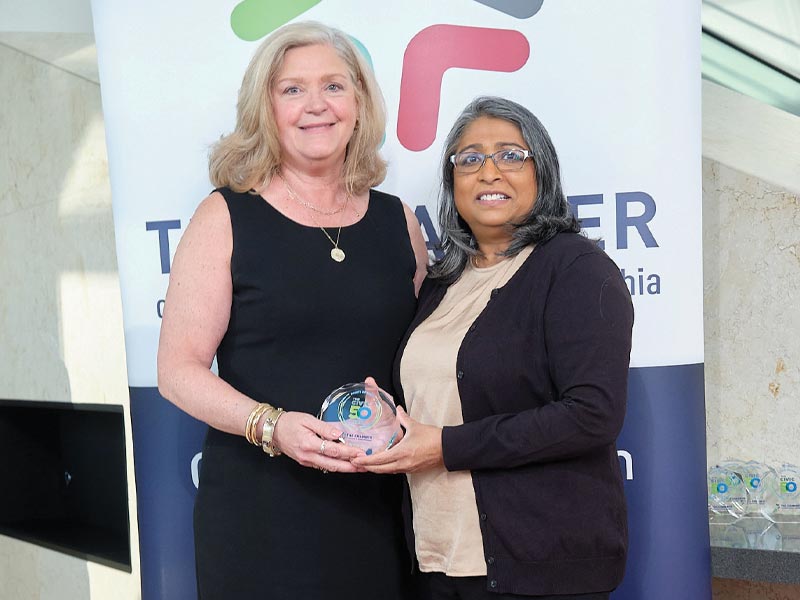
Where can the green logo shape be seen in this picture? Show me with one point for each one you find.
(253, 19)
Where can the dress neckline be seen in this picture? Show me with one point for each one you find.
(299, 224)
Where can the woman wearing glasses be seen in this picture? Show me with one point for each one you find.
(514, 373)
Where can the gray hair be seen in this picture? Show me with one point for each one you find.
(550, 213)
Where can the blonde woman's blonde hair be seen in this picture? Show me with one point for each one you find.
(251, 154)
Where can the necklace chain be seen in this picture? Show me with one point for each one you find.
(337, 253)
(310, 206)
(328, 235)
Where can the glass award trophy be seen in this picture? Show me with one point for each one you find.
(782, 504)
(366, 415)
(782, 494)
(761, 531)
(727, 504)
(727, 498)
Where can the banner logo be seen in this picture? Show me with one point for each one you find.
(253, 19)
(433, 51)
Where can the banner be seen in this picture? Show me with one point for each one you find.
(617, 85)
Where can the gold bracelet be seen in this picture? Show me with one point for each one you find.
(254, 427)
(247, 424)
(252, 422)
(269, 430)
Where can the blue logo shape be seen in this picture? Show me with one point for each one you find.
(521, 9)
(791, 486)
(722, 488)
(755, 482)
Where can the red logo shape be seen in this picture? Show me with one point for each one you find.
(438, 48)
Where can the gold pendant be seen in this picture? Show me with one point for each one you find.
(337, 254)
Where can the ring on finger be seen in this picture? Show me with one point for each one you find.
(322, 447)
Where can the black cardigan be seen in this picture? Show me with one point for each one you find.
(542, 375)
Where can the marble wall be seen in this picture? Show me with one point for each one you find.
(751, 264)
(61, 336)
(751, 273)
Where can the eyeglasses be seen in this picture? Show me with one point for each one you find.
(510, 159)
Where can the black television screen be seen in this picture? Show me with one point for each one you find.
(64, 478)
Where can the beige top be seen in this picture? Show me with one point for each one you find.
(448, 536)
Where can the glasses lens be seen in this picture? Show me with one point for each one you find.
(469, 162)
(509, 160)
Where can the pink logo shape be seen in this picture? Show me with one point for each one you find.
(438, 48)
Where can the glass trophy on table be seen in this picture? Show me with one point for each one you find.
(727, 504)
(782, 504)
(365, 413)
(761, 531)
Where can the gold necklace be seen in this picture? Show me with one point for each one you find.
(337, 253)
(308, 205)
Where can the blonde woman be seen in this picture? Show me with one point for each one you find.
(300, 278)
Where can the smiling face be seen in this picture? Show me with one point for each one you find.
(490, 200)
(315, 108)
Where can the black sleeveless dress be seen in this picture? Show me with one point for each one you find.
(301, 325)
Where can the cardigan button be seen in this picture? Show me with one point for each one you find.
(490, 560)
(460, 375)
(483, 516)
(493, 583)
(494, 292)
